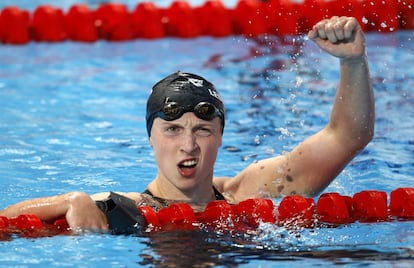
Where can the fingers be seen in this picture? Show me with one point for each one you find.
(335, 29)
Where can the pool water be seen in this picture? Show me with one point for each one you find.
(73, 119)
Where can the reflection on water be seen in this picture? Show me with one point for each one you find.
(209, 249)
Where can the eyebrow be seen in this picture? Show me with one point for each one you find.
(201, 124)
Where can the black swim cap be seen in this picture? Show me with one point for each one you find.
(186, 90)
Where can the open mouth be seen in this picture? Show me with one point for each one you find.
(188, 164)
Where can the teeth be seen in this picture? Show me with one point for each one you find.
(189, 163)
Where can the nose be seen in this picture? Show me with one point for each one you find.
(189, 142)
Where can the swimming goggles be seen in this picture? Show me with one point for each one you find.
(203, 110)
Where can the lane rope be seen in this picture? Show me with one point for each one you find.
(114, 22)
(330, 210)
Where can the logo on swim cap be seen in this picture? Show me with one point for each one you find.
(199, 83)
(196, 82)
(214, 94)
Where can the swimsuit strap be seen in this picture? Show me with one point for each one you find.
(160, 200)
(217, 195)
(148, 192)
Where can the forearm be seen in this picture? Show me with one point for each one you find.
(353, 114)
(47, 208)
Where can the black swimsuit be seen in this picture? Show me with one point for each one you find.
(148, 199)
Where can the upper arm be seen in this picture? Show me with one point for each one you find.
(315, 162)
(306, 170)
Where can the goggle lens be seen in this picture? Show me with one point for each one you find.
(203, 110)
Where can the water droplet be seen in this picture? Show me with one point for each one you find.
(364, 20)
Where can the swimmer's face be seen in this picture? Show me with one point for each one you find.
(186, 150)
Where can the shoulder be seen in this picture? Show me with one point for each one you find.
(253, 181)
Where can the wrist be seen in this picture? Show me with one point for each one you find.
(360, 60)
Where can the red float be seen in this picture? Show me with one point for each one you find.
(80, 24)
(296, 211)
(382, 16)
(4, 222)
(312, 11)
(292, 212)
(48, 24)
(402, 203)
(147, 21)
(153, 223)
(370, 206)
(406, 14)
(249, 18)
(283, 17)
(214, 19)
(181, 20)
(113, 22)
(218, 214)
(14, 26)
(334, 208)
(61, 225)
(176, 216)
(29, 222)
(252, 212)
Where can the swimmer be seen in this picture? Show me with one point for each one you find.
(185, 122)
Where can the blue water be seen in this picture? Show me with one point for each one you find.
(72, 118)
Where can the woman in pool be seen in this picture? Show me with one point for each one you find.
(185, 121)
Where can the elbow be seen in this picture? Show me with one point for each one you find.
(361, 134)
(365, 137)
(360, 143)
(369, 137)
(354, 140)
(367, 133)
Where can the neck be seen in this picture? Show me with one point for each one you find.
(198, 194)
